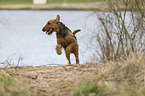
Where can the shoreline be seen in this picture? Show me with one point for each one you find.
(66, 6)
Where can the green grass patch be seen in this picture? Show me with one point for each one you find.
(49, 1)
(91, 88)
(16, 1)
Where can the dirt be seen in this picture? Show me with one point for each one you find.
(54, 80)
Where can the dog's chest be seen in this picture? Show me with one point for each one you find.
(64, 42)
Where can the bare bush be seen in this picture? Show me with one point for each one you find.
(122, 29)
(9, 64)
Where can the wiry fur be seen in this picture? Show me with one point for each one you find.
(65, 38)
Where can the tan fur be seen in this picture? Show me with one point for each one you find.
(65, 38)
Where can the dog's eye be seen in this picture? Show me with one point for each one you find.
(48, 23)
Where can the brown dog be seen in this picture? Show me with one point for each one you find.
(65, 38)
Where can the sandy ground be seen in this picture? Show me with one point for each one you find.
(65, 6)
(54, 80)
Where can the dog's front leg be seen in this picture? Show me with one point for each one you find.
(58, 49)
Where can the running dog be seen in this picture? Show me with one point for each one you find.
(65, 38)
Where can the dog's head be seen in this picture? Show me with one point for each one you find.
(52, 26)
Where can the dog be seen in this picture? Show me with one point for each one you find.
(65, 38)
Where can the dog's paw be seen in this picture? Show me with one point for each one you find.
(58, 49)
(59, 53)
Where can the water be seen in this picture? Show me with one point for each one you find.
(21, 36)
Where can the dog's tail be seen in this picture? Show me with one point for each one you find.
(76, 31)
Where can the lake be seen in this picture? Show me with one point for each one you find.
(21, 36)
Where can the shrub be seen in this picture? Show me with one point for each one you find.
(122, 29)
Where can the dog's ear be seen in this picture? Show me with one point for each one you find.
(58, 19)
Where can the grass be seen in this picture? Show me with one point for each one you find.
(91, 88)
(122, 78)
(125, 77)
(12, 87)
(16, 1)
(49, 1)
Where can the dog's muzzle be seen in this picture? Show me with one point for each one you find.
(48, 32)
(43, 30)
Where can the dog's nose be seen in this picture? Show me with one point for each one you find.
(43, 29)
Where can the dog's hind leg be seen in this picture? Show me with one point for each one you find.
(77, 59)
(58, 49)
(67, 52)
(76, 53)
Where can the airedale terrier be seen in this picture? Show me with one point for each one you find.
(65, 38)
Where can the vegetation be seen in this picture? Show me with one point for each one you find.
(120, 78)
(122, 49)
(10, 86)
(49, 1)
(122, 29)
(91, 88)
(16, 1)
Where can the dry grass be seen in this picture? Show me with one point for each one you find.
(124, 78)
(10, 86)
